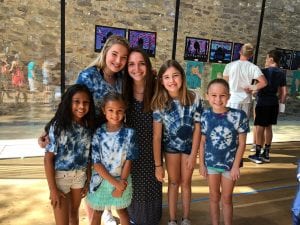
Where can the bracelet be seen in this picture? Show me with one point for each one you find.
(158, 165)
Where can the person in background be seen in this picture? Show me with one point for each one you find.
(223, 141)
(66, 159)
(31, 75)
(113, 149)
(239, 75)
(18, 81)
(267, 106)
(138, 88)
(176, 131)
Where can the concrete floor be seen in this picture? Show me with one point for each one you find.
(263, 195)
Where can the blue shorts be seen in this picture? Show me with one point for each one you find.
(225, 174)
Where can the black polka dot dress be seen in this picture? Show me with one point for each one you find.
(146, 206)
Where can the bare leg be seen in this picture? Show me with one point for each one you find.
(74, 206)
(214, 181)
(227, 206)
(268, 135)
(174, 179)
(96, 217)
(124, 218)
(186, 181)
(61, 213)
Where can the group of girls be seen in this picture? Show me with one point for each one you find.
(120, 165)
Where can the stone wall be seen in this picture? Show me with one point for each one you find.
(31, 28)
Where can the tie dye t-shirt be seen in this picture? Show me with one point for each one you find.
(112, 149)
(93, 79)
(221, 132)
(178, 124)
(71, 148)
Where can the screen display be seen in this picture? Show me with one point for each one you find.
(143, 39)
(196, 49)
(103, 32)
(220, 51)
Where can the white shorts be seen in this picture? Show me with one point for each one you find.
(67, 180)
(246, 107)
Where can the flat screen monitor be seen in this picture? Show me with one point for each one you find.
(143, 39)
(285, 58)
(220, 51)
(103, 32)
(296, 60)
(196, 49)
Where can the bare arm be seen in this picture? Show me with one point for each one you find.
(101, 170)
(262, 82)
(55, 194)
(226, 77)
(282, 94)
(235, 170)
(157, 134)
(202, 168)
(195, 146)
(124, 175)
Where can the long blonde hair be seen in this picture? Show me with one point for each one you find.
(161, 98)
(113, 39)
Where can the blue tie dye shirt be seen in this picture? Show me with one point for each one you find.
(93, 79)
(178, 124)
(221, 132)
(112, 149)
(71, 148)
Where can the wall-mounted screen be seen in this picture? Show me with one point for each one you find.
(296, 60)
(143, 39)
(103, 32)
(220, 51)
(196, 49)
(286, 58)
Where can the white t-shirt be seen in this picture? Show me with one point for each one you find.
(240, 75)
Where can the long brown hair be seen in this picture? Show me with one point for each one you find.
(149, 81)
(161, 98)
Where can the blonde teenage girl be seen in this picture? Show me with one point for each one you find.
(176, 132)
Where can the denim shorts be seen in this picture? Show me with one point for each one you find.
(65, 180)
(225, 174)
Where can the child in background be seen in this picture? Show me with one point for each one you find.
(176, 126)
(222, 146)
(67, 155)
(113, 148)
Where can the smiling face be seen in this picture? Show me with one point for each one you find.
(171, 79)
(137, 67)
(80, 105)
(218, 96)
(114, 112)
(116, 58)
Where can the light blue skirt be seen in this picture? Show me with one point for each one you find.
(102, 198)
